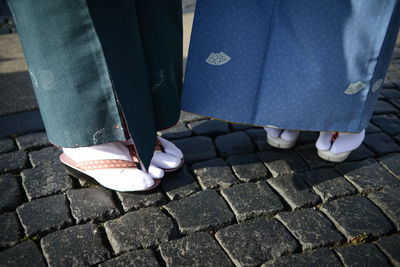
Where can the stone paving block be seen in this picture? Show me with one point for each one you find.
(296, 192)
(209, 127)
(92, 204)
(311, 228)
(179, 184)
(391, 163)
(140, 229)
(282, 162)
(319, 257)
(390, 247)
(248, 167)
(256, 241)
(328, 184)
(178, 131)
(199, 249)
(372, 129)
(45, 156)
(214, 173)
(7, 145)
(389, 123)
(356, 215)
(75, 246)
(136, 200)
(45, 180)
(251, 200)
(258, 137)
(189, 116)
(362, 152)
(9, 230)
(383, 107)
(12, 161)
(395, 102)
(139, 258)
(10, 194)
(32, 140)
(367, 175)
(309, 153)
(381, 144)
(196, 148)
(389, 202)
(240, 127)
(306, 137)
(234, 143)
(391, 93)
(203, 211)
(362, 255)
(397, 138)
(43, 215)
(25, 254)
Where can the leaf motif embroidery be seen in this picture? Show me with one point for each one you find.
(218, 59)
(354, 88)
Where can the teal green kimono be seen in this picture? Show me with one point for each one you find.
(100, 66)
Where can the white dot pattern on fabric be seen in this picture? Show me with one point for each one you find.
(354, 88)
(218, 59)
(377, 85)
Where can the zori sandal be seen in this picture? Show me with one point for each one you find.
(115, 174)
(167, 156)
(284, 139)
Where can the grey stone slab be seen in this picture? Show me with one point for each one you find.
(391, 93)
(367, 175)
(209, 127)
(199, 249)
(328, 184)
(309, 153)
(138, 258)
(356, 215)
(25, 254)
(306, 137)
(240, 127)
(75, 246)
(189, 116)
(251, 200)
(362, 152)
(12, 161)
(10, 194)
(362, 255)
(390, 247)
(234, 143)
(395, 102)
(45, 156)
(319, 257)
(214, 173)
(282, 162)
(9, 230)
(32, 141)
(256, 241)
(383, 107)
(140, 229)
(136, 200)
(311, 228)
(259, 138)
(389, 123)
(196, 148)
(45, 180)
(248, 167)
(389, 202)
(296, 192)
(372, 129)
(43, 215)
(391, 163)
(7, 145)
(179, 184)
(381, 144)
(202, 211)
(92, 204)
(21, 123)
(178, 131)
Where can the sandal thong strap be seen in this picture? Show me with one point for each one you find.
(159, 146)
(105, 164)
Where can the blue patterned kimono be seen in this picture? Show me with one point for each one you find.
(306, 65)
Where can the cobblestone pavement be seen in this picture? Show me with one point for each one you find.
(236, 201)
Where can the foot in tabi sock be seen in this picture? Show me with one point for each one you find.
(167, 156)
(336, 147)
(113, 165)
(279, 138)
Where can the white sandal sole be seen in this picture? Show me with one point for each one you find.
(280, 143)
(332, 157)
